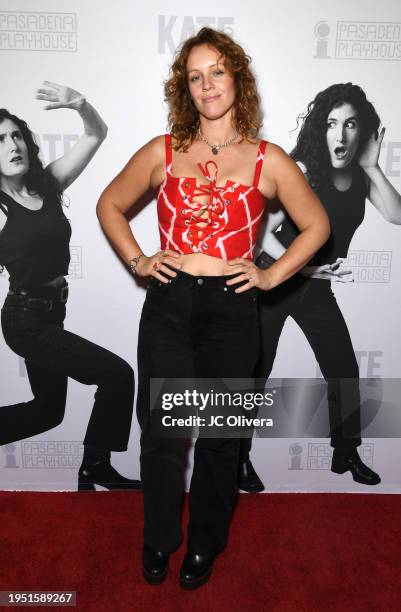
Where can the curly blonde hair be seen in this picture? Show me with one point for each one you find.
(183, 117)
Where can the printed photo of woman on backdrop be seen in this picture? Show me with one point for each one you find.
(338, 149)
(34, 249)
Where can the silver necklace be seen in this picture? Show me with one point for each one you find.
(216, 148)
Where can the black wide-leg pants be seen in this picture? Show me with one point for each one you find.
(312, 305)
(32, 325)
(192, 327)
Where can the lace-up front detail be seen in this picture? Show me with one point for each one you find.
(224, 224)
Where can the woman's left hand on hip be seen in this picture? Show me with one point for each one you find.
(249, 272)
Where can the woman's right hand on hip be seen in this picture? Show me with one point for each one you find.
(160, 262)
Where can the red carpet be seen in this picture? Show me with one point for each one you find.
(290, 552)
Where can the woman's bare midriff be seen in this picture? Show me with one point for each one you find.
(199, 264)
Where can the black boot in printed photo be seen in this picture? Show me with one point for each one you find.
(345, 460)
(97, 469)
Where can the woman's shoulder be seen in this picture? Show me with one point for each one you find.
(153, 150)
(276, 154)
(274, 151)
(157, 143)
(279, 165)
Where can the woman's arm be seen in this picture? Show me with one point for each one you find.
(305, 210)
(144, 170)
(381, 193)
(282, 179)
(68, 167)
(273, 247)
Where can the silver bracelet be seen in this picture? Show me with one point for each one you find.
(134, 262)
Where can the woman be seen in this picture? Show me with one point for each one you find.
(200, 316)
(338, 149)
(34, 248)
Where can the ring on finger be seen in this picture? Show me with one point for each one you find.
(155, 266)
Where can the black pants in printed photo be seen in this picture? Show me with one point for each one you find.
(312, 305)
(32, 323)
(192, 327)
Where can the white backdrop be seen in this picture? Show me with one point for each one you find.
(117, 53)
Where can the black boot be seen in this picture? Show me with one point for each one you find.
(344, 461)
(248, 480)
(195, 570)
(96, 469)
(154, 565)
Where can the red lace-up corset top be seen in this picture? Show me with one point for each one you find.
(225, 227)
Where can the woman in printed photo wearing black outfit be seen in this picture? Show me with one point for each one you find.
(338, 149)
(34, 248)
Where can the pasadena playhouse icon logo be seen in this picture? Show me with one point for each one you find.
(10, 451)
(173, 29)
(369, 266)
(295, 449)
(38, 31)
(51, 454)
(359, 40)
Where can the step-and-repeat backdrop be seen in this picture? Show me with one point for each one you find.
(118, 53)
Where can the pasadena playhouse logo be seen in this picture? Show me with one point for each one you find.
(173, 29)
(358, 40)
(38, 31)
(320, 454)
(369, 266)
(51, 454)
